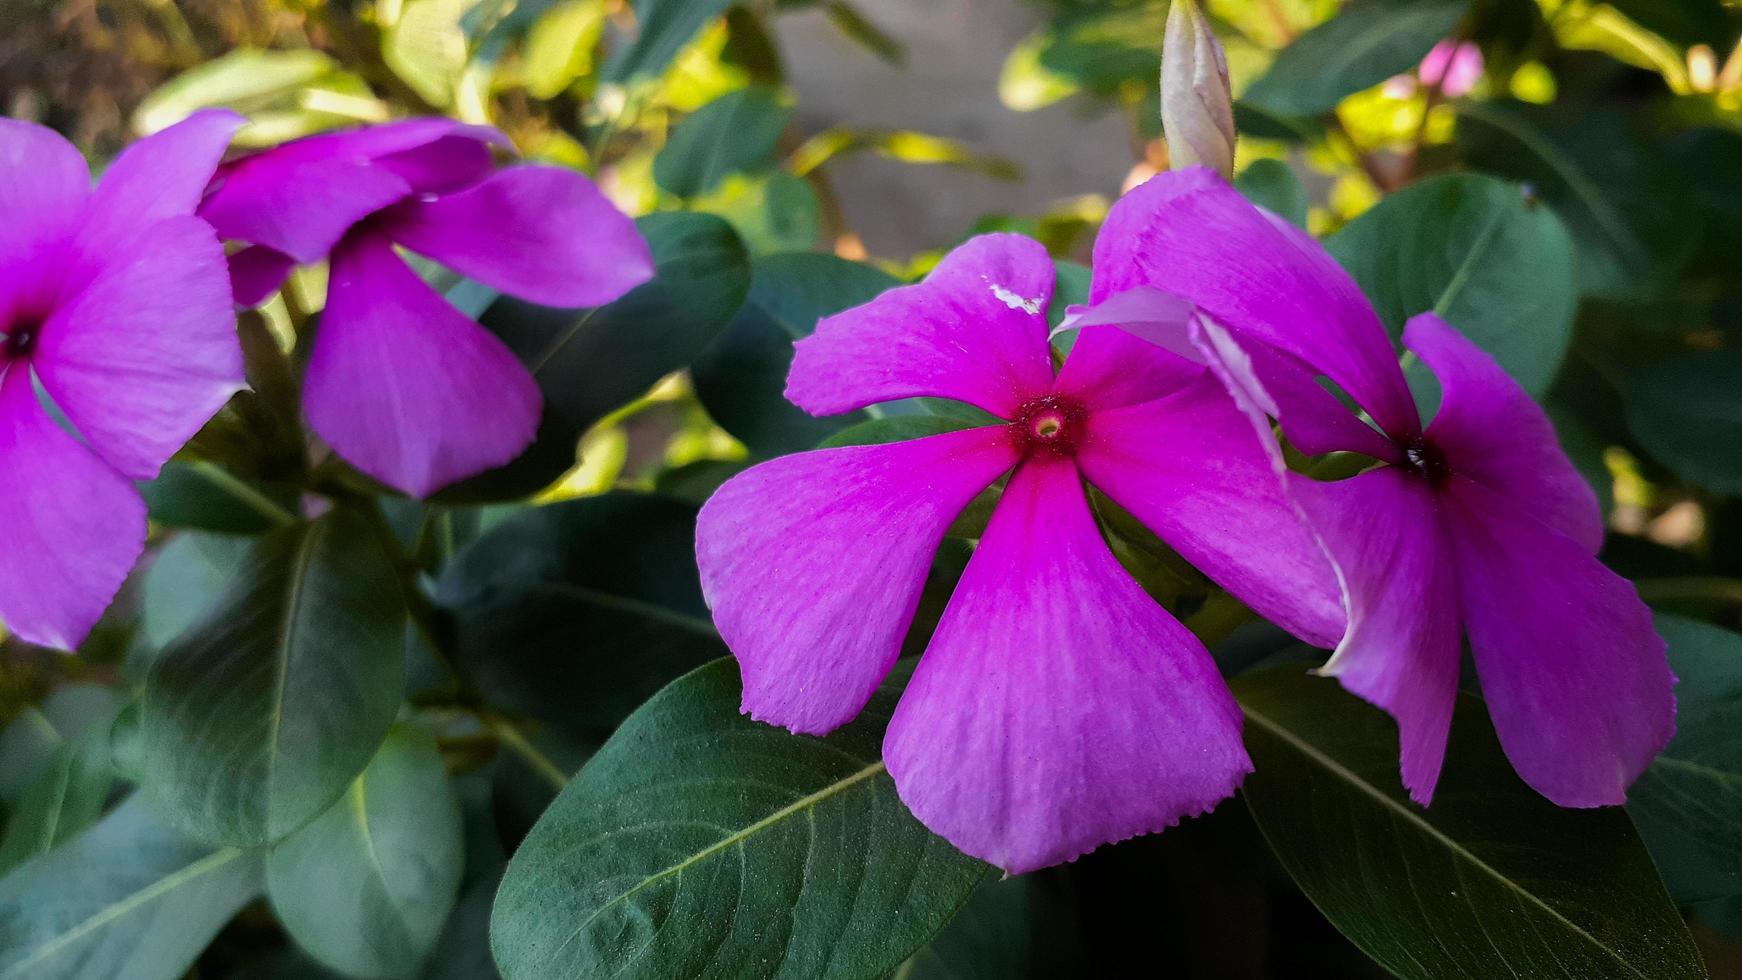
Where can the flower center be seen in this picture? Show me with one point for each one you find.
(1426, 461)
(1051, 423)
(20, 339)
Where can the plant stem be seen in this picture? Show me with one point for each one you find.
(509, 736)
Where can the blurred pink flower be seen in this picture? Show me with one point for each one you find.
(116, 301)
(1454, 66)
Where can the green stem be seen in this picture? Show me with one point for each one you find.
(253, 499)
(509, 736)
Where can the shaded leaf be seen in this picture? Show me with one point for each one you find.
(63, 800)
(895, 428)
(663, 28)
(701, 843)
(1687, 412)
(734, 134)
(203, 495)
(1273, 185)
(33, 738)
(1353, 51)
(186, 576)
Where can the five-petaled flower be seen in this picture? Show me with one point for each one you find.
(116, 301)
(1057, 706)
(400, 383)
(1476, 525)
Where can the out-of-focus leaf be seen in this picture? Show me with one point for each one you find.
(203, 495)
(1095, 50)
(63, 800)
(663, 28)
(1585, 448)
(1004, 932)
(366, 886)
(1273, 185)
(576, 612)
(742, 377)
(1353, 51)
(1491, 880)
(185, 577)
(31, 741)
(895, 428)
(427, 47)
(127, 898)
(1494, 263)
(1687, 412)
(256, 718)
(1686, 22)
(898, 144)
(1710, 161)
(698, 842)
(734, 134)
(775, 212)
(559, 48)
(245, 79)
(1625, 206)
(1689, 803)
(855, 27)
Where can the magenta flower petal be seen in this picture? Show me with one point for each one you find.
(147, 352)
(813, 564)
(256, 272)
(543, 234)
(161, 176)
(975, 331)
(447, 164)
(43, 186)
(1110, 368)
(1405, 638)
(403, 385)
(300, 207)
(1191, 468)
(1490, 430)
(1058, 707)
(1573, 672)
(400, 136)
(1189, 233)
(70, 526)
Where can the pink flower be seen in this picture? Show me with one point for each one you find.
(1057, 707)
(400, 383)
(1475, 527)
(116, 301)
(1454, 66)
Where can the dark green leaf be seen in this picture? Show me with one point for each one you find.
(576, 612)
(1351, 52)
(1687, 412)
(1495, 264)
(185, 576)
(854, 26)
(663, 28)
(1070, 288)
(741, 379)
(701, 843)
(1689, 803)
(203, 495)
(255, 719)
(1624, 205)
(1097, 49)
(63, 800)
(128, 898)
(1685, 22)
(895, 428)
(33, 738)
(1272, 184)
(775, 212)
(1004, 932)
(734, 134)
(366, 887)
(1490, 881)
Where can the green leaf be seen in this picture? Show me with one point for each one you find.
(34, 738)
(1626, 207)
(559, 48)
(855, 27)
(184, 578)
(775, 212)
(1495, 264)
(427, 47)
(246, 80)
(741, 379)
(255, 719)
(734, 134)
(1007, 931)
(1490, 881)
(1098, 50)
(1352, 52)
(1687, 412)
(905, 145)
(205, 496)
(63, 800)
(128, 898)
(1689, 803)
(894, 428)
(578, 611)
(698, 842)
(664, 27)
(1273, 185)
(1686, 22)
(366, 887)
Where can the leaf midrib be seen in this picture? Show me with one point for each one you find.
(1415, 819)
(287, 636)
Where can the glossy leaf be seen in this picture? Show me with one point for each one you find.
(1353, 51)
(1687, 412)
(1625, 206)
(1491, 880)
(366, 887)
(663, 28)
(699, 843)
(576, 612)
(255, 719)
(741, 379)
(1491, 261)
(128, 898)
(1689, 803)
(734, 134)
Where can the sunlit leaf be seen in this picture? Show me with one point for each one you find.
(734, 134)
(1353, 51)
(663, 28)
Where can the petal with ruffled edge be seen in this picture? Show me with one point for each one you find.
(1058, 708)
(70, 526)
(974, 330)
(1493, 432)
(256, 272)
(813, 564)
(404, 386)
(1574, 674)
(147, 352)
(161, 176)
(1191, 468)
(543, 234)
(1190, 233)
(1384, 530)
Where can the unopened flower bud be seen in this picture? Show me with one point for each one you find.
(1197, 106)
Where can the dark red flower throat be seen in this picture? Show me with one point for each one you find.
(1049, 424)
